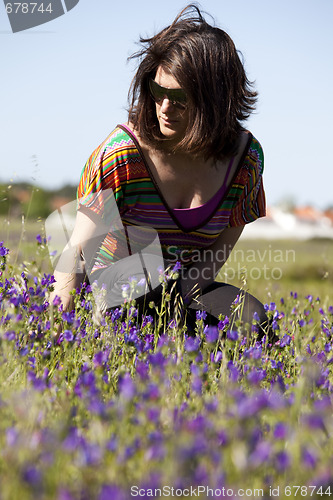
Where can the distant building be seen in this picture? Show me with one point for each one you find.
(300, 223)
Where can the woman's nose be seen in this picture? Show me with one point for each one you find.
(165, 104)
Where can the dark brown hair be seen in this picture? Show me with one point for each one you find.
(204, 61)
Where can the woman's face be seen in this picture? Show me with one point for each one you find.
(172, 119)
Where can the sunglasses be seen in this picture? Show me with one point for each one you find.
(177, 97)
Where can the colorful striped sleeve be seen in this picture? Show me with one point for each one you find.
(100, 187)
(251, 204)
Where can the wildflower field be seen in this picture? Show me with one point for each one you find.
(138, 408)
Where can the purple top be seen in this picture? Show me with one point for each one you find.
(193, 217)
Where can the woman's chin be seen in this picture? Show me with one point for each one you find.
(171, 133)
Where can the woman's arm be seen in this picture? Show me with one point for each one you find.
(202, 274)
(69, 273)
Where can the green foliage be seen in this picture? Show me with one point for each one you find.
(32, 201)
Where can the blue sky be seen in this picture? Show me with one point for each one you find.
(64, 87)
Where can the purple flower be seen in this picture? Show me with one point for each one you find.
(125, 288)
(254, 352)
(11, 436)
(96, 406)
(10, 335)
(192, 344)
(249, 406)
(88, 378)
(323, 404)
(155, 452)
(68, 335)
(285, 340)
(73, 440)
(142, 369)
(152, 392)
(216, 358)
(261, 453)
(109, 492)
(177, 267)
(236, 300)
(113, 444)
(153, 414)
(24, 351)
(233, 372)
(223, 323)
(116, 314)
(201, 475)
(56, 301)
(201, 315)
(32, 475)
(309, 458)
(256, 317)
(91, 453)
(101, 358)
(131, 337)
(126, 387)
(282, 461)
(147, 320)
(157, 359)
(302, 323)
(64, 494)
(222, 437)
(232, 335)
(68, 316)
(38, 383)
(212, 334)
(314, 421)
(211, 406)
(256, 376)
(142, 282)
(3, 250)
(47, 280)
(280, 431)
(197, 385)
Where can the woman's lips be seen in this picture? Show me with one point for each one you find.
(168, 121)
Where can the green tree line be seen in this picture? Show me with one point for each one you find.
(32, 201)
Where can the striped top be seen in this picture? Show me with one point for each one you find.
(116, 184)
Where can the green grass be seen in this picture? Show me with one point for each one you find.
(280, 266)
(269, 268)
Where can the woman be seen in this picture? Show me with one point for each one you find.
(183, 166)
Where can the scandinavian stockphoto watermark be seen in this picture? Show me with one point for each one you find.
(255, 264)
(25, 15)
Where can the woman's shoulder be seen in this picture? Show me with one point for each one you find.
(255, 154)
(118, 139)
(117, 147)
